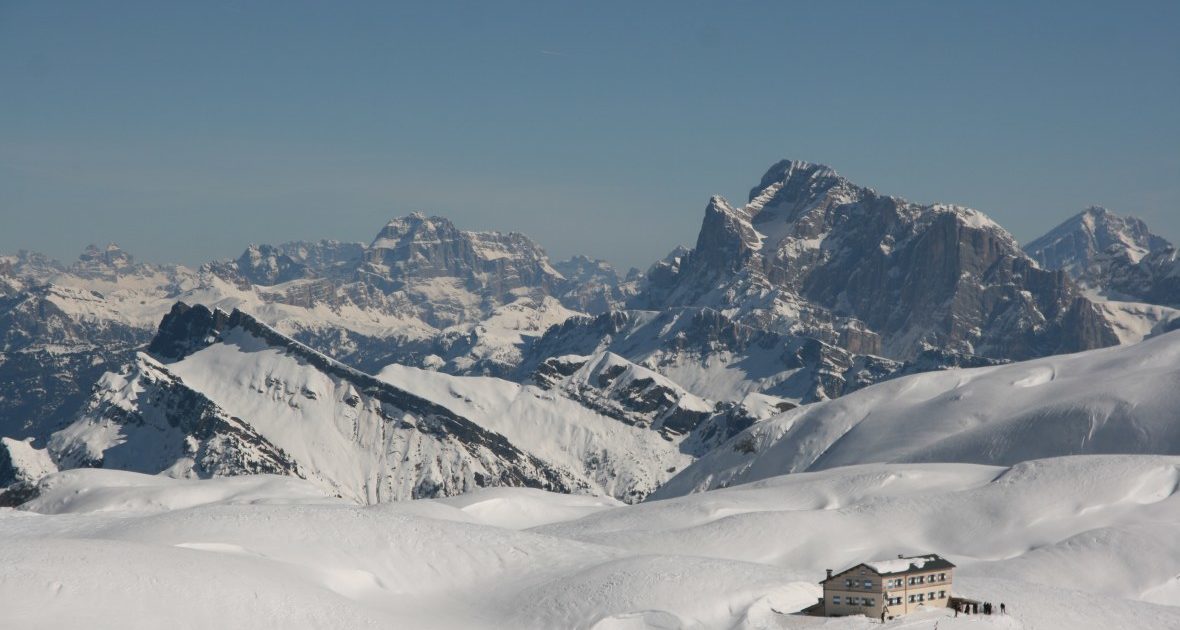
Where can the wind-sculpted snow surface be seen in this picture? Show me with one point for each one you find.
(1114, 400)
(1079, 543)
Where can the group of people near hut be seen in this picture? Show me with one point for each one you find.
(975, 608)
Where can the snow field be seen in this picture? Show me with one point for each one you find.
(1075, 542)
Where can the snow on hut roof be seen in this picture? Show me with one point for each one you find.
(908, 564)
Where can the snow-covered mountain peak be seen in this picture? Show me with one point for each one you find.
(112, 255)
(1078, 244)
(433, 246)
(815, 254)
(109, 261)
(410, 227)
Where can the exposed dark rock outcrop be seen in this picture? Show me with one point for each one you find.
(816, 255)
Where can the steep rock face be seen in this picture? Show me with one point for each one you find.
(1154, 278)
(1079, 245)
(21, 466)
(815, 255)
(453, 275)
(233, 396)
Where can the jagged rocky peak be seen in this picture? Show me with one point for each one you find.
(106, 261)
(1081, 243)
(416, 235)
(416, 247)
(814, 254)
(112, 256)
(266, 264)
(186, 329)
(402, 232)
(727, 240)
(795, 180)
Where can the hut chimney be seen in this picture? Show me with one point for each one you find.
(900, 556)
(829, 574)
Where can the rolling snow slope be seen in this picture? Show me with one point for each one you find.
(1077, 543)
(1114, 400)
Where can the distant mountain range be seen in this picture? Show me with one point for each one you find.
(811, 290)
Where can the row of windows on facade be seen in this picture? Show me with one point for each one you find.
(892, 601)
(897, 583)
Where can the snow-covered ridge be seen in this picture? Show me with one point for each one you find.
(223, 393)
(639, 397)
(627, 391)
(614, 457)
(1113, 400)
(361, 437)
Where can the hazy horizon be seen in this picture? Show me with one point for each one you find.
(69, 257)
(186, 132)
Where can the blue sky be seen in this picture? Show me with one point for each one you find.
(185, 130)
